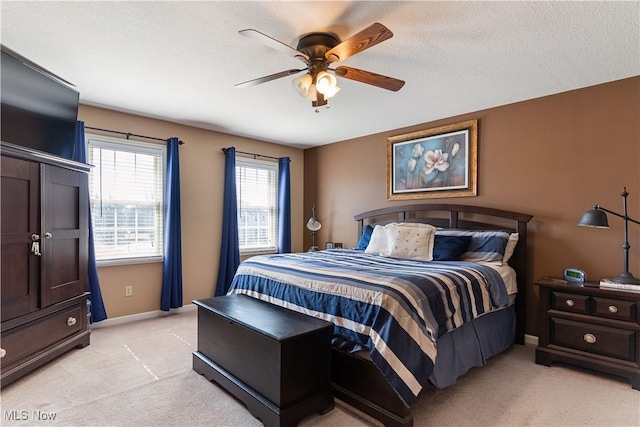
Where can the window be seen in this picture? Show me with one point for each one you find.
(126, 187)
(256, 184)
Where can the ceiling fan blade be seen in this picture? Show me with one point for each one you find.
(370, 78)
(273, 43)
(370, 36)
(268, 78)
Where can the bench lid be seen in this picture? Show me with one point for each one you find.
(269, 319)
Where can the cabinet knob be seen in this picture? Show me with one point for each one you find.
(613, 309)
(48, 235)
(71, 321)
(3, 353)
(590, 338)
(570, 303)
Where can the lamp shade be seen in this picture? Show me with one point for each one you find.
(331, 91)
(326, 84)
(594, 218)
(313, 224)
(304, 86)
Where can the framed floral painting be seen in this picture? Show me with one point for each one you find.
(432, 163)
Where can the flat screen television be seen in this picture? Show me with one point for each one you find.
(39, 109)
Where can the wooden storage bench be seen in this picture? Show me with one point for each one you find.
(276, 361)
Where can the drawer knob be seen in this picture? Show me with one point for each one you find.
(71, 321)
(590, 338)
(613, 309)
(3, 352)
(570, 303)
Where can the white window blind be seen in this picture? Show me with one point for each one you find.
(126, 188)
(257, 187)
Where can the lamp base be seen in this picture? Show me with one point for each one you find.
(625, 278)
(313, 249)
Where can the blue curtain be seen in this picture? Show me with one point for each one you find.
(284, 205)
(98, 312)
(230, 248)
(171, 296)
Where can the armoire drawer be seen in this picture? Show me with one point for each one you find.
(30, 338)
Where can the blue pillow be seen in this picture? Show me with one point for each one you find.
(485, 245)
(449, 248)
(364, 239)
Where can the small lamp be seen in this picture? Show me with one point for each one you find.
(313, 225)
(597, 218)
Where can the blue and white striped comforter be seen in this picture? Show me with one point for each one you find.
(395, 308)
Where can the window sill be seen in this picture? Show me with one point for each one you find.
(129, 261)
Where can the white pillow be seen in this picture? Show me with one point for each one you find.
(378, 243)
(511, 246)
(410, 240)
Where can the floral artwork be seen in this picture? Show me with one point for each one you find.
(439, 162)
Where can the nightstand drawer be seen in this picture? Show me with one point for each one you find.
(614, 309)
(595, 339)
(570, 302)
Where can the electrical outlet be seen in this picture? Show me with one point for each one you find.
(128, 291)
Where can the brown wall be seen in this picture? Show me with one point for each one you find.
(551, 157)
(201, 173)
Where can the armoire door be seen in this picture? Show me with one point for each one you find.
(20, 217)
(64, 235)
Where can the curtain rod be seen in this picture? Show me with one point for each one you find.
(128, 134)
(224, 150)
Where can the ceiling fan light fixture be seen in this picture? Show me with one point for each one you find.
(303, 85)
(330, 92)
(326, 84)
(311, 94)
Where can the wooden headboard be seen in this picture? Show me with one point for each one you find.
(466, 217)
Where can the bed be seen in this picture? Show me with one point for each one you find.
(425, 304)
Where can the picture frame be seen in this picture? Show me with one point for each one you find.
(328, 245)
(337, 245)
(433, 163)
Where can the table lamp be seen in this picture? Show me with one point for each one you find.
(313, 225)
(597, 217)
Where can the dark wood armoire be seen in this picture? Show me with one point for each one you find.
(44, 238)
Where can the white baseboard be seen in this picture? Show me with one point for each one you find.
(141, 316)
(530, 339)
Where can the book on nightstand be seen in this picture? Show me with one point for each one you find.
(607, 283)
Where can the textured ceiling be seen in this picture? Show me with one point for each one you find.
(179, 60)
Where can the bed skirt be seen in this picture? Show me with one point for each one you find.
(472, 345)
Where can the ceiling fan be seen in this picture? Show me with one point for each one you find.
(318, 51)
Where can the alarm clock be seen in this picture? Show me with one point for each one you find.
(574, 275)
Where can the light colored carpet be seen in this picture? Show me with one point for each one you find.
(140, 374)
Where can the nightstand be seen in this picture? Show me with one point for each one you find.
(590, 327)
